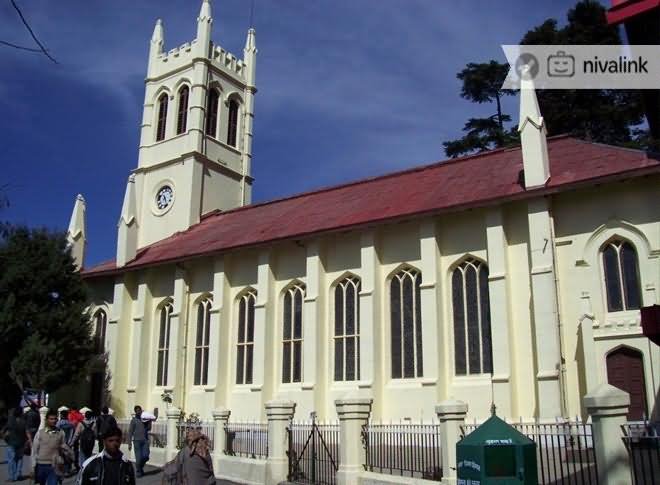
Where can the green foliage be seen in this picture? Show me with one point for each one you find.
(606, 116)
(482, 84)
(45, 332)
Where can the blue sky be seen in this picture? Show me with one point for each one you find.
(347, 89)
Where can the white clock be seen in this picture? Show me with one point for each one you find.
(164, 197)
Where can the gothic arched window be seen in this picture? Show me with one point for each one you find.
(100, 328)
(182, 116)
(212, 112)
(347, 329)
(472, 337)
(621, 276)
(232, 124)
(163, 344)
(202, 340)
(406, 324)
(292, 335)
(245, 338)
(162, 117)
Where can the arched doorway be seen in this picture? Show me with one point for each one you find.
(625, 370)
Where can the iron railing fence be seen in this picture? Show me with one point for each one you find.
(403, 449)
(157, 435)
(313, 452)
(564, 453)
(183, 427)
(643, 443)
(249, 440)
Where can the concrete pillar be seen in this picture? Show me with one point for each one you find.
(42, 416)
(220, 418)
(279, 414)
(499, 309)
(173, 417)
(353, 414)
(216, 324)
(608, 408)
(452, 416)
(429, 290)
(544, 306)
(312, 315)
(368, 307)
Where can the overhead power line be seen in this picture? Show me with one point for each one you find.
(27, 26)
(9, 44)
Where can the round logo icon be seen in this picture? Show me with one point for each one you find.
(527, 66)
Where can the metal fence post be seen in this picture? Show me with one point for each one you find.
(173, 417)
(353, 414)
(280, 414)
(608, 407)
(452, 416)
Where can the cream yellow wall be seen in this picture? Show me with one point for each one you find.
(432, 245)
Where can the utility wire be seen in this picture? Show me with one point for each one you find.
(9, 44)
(27, 26)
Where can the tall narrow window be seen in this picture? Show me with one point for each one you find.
(472, 337)
(245, 340)
(292, 337)
(621, 276)
(162, 117)
(182, 117)
(347, 330)
(202, 339)
(100, 327)
(212, 112)
(163, 344)
(406, 324)
(232, 127)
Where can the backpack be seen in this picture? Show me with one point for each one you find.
(87, 439)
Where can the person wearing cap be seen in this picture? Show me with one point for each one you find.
(109, 467)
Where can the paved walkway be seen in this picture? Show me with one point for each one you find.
(152, 475)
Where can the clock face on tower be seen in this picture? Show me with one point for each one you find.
(164, 197)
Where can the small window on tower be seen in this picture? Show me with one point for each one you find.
(232, 122)
(162, 117)
(212, 113)
(182, 118)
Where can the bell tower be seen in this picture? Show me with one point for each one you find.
(196, 134)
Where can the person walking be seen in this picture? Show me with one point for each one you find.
(104, 423)
(138, 436)
(65, 425)
(110, 467)
(84, 438)
(46, 447)
(15, 435)
(75, 418)
(32, 420)
(196, 461)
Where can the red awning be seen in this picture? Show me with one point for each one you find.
(651, 323)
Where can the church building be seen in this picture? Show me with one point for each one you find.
(514, 276)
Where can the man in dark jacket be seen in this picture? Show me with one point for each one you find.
(16, 436)
(110, 467)
(104, 422)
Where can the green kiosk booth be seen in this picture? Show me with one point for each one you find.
(496, 453)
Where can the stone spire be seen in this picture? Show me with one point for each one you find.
(250, 55)
(127, 236)
(76, 234)
(204, 22)
(157, 43)
(533, 135)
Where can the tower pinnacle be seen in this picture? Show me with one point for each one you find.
(532, 136)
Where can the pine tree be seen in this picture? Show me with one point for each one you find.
(606, 116)
(45, 331)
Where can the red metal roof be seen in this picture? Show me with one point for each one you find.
(623, 10)
(467, 182)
